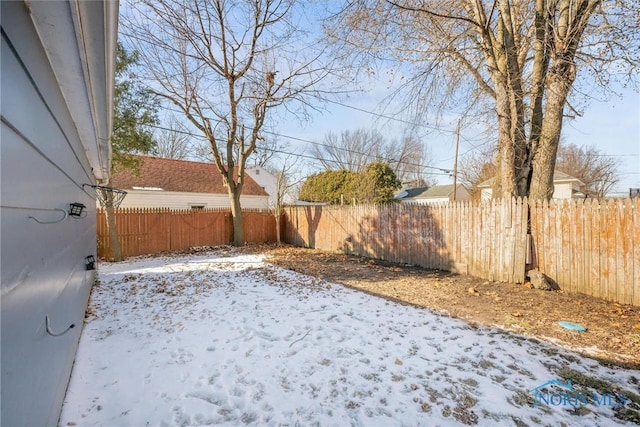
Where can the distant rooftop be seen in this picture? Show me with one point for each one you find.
(557, 177)
(157, 174)
(436, 191)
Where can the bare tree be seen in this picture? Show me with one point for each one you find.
(284, 185)
(173, 141)
(524, 60)
(406, 156)
(226, 65)
(476, 168)
(595, 169)
(268, 150)
(353, 150)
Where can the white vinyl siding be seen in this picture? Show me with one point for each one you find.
(267, 181)
(561, 190)
(178, 200)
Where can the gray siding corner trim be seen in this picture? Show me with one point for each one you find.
(46, 155)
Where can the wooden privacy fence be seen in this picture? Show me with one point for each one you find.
(485, 240)
(588, 246)
(151, 231)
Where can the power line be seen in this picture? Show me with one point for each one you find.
(384, 116)
(320, 159)
(444, 172)
(616, 155)
(348, 150)
(468, 141)
(453, 132)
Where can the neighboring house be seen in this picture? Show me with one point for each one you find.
(181, 184)
(434, 194)
(564, 187)
(266, 180)
(57, 79)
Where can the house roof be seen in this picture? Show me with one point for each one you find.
(180, 176)
(558, 176)
(437, 191)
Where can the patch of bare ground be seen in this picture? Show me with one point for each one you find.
(613, 330)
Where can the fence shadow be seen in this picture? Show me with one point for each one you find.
(406, 234)
(487, 240)
(301, 229)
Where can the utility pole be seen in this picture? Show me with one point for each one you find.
(455, 162)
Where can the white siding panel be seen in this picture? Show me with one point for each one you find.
(255, 202)
(177, 200)
(562, 191)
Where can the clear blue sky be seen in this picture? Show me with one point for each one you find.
(613, 127)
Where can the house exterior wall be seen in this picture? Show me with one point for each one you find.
(430, 201)
(43, 166)
(462, 194)
(561, 190)
(265, 180)
(178, 200)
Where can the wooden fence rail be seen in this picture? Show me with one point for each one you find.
(151, 231)
(591, 246)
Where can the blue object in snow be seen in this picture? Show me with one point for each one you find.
(572, 326)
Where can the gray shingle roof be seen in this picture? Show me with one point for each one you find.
(435, 192)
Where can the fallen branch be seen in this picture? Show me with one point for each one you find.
(300, 339)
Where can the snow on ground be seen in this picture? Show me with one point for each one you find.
(226, 338)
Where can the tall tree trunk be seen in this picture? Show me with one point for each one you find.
(504, 182)
(238, 223)
(278, 237)
(539, 72)
(114, 240)
(508, 33)
(559, 82)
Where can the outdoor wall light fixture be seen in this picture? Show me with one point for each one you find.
(90, 262)
(76, 209)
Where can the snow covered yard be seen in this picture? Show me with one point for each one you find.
(226, 338)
